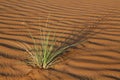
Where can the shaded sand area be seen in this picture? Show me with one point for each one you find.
(98, 58)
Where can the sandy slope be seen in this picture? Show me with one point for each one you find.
(96, 59)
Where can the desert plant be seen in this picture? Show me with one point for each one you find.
(44, 53)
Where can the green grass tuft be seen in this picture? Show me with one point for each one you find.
(44, 54)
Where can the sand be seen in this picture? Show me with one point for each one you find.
(98, 58)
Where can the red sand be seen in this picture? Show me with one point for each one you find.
(97, 59)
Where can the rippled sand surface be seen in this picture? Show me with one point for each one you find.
(98, 58)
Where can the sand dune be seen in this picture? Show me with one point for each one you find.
(98, 58)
